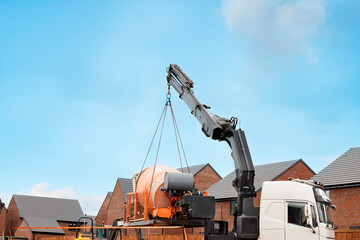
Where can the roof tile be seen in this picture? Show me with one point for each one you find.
(223, 189)
(343, 171)
(45, 207)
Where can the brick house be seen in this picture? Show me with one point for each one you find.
(3, 223)
(31, 211)
(204, 175)
(341, 179)
(102, 214)
(225, 194)
(112, 207)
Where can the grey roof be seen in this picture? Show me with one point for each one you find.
(60, 209)
(223, 189)
(193, 169)
(126, 186)
(345, 170)
(43, 222)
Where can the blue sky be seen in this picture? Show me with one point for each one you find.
(82, 86)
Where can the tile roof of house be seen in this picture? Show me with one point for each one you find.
(43, 222)
(61, 209)
(223, 189)
(345, 170)
(126, 186)
(195, 169)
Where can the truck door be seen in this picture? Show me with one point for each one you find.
(325, 225)
(296, 227)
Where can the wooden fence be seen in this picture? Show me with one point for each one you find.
(347, 234)
(58, 238)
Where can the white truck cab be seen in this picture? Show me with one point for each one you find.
(295, 210)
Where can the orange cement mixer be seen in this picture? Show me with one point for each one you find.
(155, 195)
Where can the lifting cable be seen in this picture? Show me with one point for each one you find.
(177, 138)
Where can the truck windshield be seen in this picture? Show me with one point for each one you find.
(323, 204)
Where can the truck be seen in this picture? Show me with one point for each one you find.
(289, 210)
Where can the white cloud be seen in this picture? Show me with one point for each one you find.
(44, 190)
(91, 203)
(279, 28)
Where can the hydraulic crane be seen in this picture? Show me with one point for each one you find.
(289, 210)
(246, 217)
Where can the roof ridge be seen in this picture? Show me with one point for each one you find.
(354, 148)
(197, 165)
(22, 195)
(294, 160)
(40, 218)
(124, 178)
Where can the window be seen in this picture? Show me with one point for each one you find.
(232, 207)
(320, 207)
(72, 225)
(314, 222)
(328, 215)
(296, 213)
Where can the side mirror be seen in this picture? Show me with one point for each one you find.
(309, 220)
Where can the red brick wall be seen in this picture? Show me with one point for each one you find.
(299, 170)
(257, 199)
(222, 212)
(3, 221)
(23, 232)
(38, 236)
(26, 233)
(67, 231)
(102, 214)
(13, 217)
(347, 204)
(116, 205)
(206, 178)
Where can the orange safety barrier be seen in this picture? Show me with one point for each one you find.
(132, 227)
(145, 227)
(131, 211)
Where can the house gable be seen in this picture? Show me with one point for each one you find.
(102, 214)
(206, 177)
(115, 209)
(23, 232)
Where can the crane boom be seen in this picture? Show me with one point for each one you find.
(222, 129)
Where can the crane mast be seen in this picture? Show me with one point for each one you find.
(246, 216)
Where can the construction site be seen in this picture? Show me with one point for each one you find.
(179, 120)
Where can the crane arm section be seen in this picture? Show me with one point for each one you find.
(220, 129)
